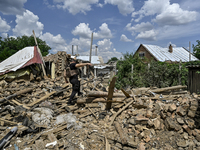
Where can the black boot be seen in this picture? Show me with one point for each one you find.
(80, 94)
(70, 102)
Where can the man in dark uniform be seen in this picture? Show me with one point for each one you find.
(74, 79)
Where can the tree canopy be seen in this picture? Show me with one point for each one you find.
(196, 50)
(132, 71)
(10, 45)
(112, 59)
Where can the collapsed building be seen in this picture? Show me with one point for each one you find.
(34, 113)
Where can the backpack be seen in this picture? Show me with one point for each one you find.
(69, 73)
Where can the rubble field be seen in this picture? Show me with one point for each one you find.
(103, 118)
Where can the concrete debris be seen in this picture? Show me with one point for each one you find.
(141, 118)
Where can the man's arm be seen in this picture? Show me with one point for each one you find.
(82, 65)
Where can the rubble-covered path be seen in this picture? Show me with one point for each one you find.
(142, 118)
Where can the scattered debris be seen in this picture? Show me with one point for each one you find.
(140, 118)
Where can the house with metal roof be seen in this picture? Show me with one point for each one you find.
(170, 54)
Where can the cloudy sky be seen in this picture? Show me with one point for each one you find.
(118, 26)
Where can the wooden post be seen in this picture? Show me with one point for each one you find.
(132, 67)
(38, 49)
(110, 93)
(72, 50)
(121, 132)
(189, 51)
(91, 48)
(53, 70)
(179, 75)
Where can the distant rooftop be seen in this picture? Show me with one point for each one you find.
(163, 54)
(94, 59)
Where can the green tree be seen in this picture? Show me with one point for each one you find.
(10, 45)
(125, 76)
(112, 59)
(148, 73)
(196, 49)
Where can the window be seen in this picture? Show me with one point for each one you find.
(141, 54)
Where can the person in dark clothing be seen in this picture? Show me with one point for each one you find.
(74, 79)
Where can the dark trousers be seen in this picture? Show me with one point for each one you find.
(75, 87)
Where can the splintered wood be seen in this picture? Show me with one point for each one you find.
(132, 118)
(110, 93)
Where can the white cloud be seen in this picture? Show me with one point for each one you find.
(186, 4)
(106, 50)
(75, 6)
(139, 27)
(103, 33)
(12, 6)
(147, 35)
(84, 31)
(125, 39)
(125, 6)
(4, 27)
(166, 13)
(174, 15)
(4, 35)
(57, 43)
(152, 7)
(82, 45)
(26, 23)
(176, 32)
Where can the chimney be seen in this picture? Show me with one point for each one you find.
(96, 50)
(170, 48)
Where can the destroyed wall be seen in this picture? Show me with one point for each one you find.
(56, 63)
(138, 118)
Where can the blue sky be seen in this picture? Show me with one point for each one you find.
(118, 26)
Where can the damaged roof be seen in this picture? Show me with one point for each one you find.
(163, 54)
(94, 59)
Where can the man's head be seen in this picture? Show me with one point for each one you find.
(73, 60)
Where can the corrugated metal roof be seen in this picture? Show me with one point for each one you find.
(163, 54)
(94, 59)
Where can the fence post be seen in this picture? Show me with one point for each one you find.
(132, 67)
(179, 75)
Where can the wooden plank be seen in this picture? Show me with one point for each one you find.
(110, 93)
(55, 130)
(107, 144)
(41, 99)
(53, 66)
(122, 134)
(17, 94)
(96, 100)
(16, 102)
(117, 113)
(102, 94)
(52, 138)
(7, 121)
(169, 88)
(125, 93)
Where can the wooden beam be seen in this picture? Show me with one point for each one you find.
(41, 99)
(169, 88)
(122, 134)
(38, 49)
(110, 93)
(102, 94)
(17, 94)
(125, 93)
(117, 113)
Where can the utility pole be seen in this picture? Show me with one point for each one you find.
(77, 49)
(189, 51)
(91, 47)
(72, 50)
